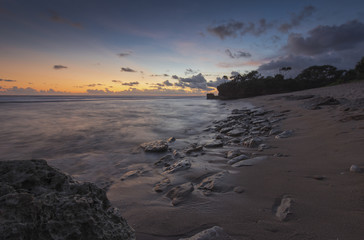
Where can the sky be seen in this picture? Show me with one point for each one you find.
(160, 47)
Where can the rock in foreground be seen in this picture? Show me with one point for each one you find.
(155, 146)
(38, 202)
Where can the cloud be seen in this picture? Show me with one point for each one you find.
(6, 80)
(130, 83)
(195, 82)
(28, 91)
(174, 76)
(190, 71)
(126, 69)
(296, 19)
(159, 75)
(235, 28)
(239, 64)
(217, 82)
(58, 67)
(237, 54)
(55, 17)
(324, 39)
(167, 83)
(125, 54)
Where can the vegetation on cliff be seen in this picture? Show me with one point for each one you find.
(254, 84)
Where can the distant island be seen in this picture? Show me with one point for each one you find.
(254, 84)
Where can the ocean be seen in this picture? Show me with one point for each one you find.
(87, 136)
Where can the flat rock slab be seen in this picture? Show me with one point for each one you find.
(37, 202)
(180, 193)
(250, 162)
(214, 233)
(155, 146)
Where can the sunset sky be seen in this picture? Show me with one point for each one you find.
(168, 47)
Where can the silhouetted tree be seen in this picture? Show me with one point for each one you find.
(359, 69)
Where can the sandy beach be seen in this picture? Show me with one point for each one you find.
(310, 168)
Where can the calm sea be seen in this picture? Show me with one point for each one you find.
(88, 136)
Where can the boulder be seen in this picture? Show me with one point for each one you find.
(214, 233)
(38, 202)
(214, 144)
(165, 161)
(179, 193)
(155, 146)
(237, 159)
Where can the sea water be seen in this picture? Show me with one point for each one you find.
(87, 136)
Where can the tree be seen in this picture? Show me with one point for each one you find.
(359, 68)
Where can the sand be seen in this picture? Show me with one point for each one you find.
(327, 199)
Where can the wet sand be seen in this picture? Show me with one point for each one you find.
(312, 169)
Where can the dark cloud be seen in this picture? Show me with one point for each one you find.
(58, 67)
(29, 91)
(125, 54)
(217, 82)
(237, 54)
(296, 19)
(116, 81)
(159, 75)
(130, 83)
(195, 82)
(126, 69)
(6, 80)
(323, 39)
(55, 17)
(190, 71)
(174, 76)
(235, 28)
(95, 85)
(167, 83)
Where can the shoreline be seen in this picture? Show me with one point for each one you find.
(313, 170)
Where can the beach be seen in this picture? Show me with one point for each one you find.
(270, 167)
(311, 168)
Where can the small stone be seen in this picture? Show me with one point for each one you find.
(285, 134)
(284, 209)
(171, 139)
(274, 132)
(237, 159)
(355, 168)
(165, 160)
(214, 233)
(253, 142)
(239, 189)
(215, 183)
(233, 153)
(236, 132)
(162, 185)
(250, 162)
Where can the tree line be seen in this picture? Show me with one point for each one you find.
(254, 84)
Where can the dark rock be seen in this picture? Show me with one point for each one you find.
(239, 189)
(250, 161)
(38, 202)
(283, 210)
(237, 159)
(132, 173)
(155, 146)
(355, 168)
(165, 160)
(233, 153)
(236, 132)
(315, 103)
(285, 134)
(194, 148)
(179, 193)
(252, 142)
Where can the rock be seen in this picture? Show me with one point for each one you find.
(225, 130)
(316, 102)
(214, 233)
(250, 162)
(252, 142)
(165, 160)
(214, 144)
(155, 146)
(179, 193)
(215, 183)
(236, 132)
(274, 132)
(239, 189)
(130, 174)
(171, 139)
(237, 159)
(162, 185)
(263, 146)
(355, 168)
(285, 134)
(233, 153)
(194, 148)
(39, 202)
(177, 154)
(178, 166)
(283, 211)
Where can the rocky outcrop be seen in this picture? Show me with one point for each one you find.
(215, 183)
(179, 193)
(38, 202)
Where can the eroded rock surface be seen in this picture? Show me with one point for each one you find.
(39, 202)
(155, 146)
(179, 193)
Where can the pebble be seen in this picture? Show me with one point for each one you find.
(355, 168)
